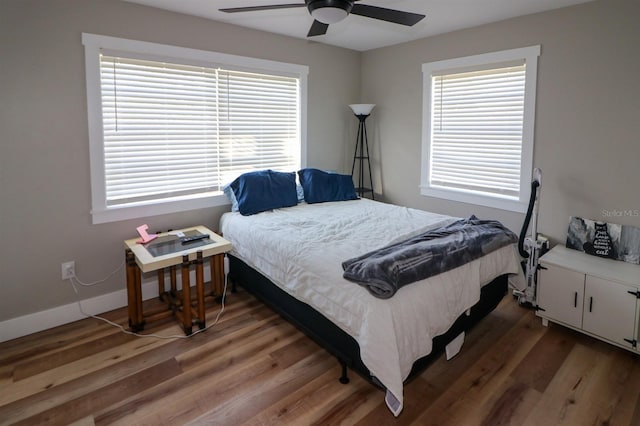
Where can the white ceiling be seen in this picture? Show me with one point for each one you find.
(360, 33)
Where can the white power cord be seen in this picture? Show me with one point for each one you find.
(124, 330)
(75, 277)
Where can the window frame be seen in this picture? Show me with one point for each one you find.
(93, 45)
(483, 61)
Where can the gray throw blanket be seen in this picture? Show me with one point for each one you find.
(385, 270)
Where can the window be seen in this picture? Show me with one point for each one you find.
(478, 121)
(170, 126)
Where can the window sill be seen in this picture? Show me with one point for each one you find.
(155, 208)
(477, 199)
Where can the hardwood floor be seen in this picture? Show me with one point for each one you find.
(255, 368)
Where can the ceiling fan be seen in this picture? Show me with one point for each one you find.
(325, 12)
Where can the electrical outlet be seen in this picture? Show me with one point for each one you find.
(68, 270)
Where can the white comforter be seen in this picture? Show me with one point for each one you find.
(301, 250)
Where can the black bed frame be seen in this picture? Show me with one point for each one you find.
(335, 340)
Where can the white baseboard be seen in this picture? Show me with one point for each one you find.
(43, 320)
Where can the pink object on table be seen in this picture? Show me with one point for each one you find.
(146, 237)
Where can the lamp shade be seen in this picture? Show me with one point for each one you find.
(362, 109)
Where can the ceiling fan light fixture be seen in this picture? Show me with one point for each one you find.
(329, 15)
(329, 11)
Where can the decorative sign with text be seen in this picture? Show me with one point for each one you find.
(610, 240)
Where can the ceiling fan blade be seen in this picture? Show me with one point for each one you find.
(317, 28)
(256, 8)
(389, 15)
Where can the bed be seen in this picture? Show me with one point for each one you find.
(291, 258)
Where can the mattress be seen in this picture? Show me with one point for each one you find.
(301, 250)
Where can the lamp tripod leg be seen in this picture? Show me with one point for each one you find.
(366, 142)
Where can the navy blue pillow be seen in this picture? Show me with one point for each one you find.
(264, 190)
(320, 186)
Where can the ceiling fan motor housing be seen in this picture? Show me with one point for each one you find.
(335, 11)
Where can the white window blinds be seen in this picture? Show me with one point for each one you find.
(172, 130)
(258, 123)
(477, 130)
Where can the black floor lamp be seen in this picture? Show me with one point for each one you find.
(362, 111)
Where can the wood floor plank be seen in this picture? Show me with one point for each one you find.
(509, 404)
(205, 395)
(353, 408)
(238, 337)
(635, 419)
(43, 340)
(68, 372)
(41, 344)
(566, 390)
(266, 393)
(297, 350)
(47, 361)
(308, 404)
(6, 375)
(66, 390)
(603, 400)
(83, 406)
(85, 421)
(480, 340)
(70, 389)
(551, 351)
(255, 368)
(175, 401)
(216, 378)
(468, 393)
(419, 394)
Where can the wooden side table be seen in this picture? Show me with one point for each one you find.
(167, 251)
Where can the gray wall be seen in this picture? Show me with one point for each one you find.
(44, 149)
(587, 132)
